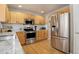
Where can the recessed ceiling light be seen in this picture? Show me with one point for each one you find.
(19, 5)
(42, 11)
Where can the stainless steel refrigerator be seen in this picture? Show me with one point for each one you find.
(60, 32)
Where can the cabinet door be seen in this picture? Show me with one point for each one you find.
(21, 37)
(17, 17)
(39, 20)
(7, 15)
(41, 35)
(53, 42)
(2, 12)
(20, 17)
(38, 35)
(36, 21)
(46, 34)
(64, 45)
(42, 21)
(13, 17)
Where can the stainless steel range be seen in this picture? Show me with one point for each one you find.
(30, 35)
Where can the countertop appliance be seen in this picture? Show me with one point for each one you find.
(60, 32)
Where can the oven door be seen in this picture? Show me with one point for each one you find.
(31, 35)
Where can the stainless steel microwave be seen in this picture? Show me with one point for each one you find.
(29, 22)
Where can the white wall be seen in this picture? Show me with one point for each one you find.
(74, 28)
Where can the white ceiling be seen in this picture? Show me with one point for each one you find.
(37, 8)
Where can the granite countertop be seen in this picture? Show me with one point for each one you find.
(9, 43)
(18, 47)
(6, 33)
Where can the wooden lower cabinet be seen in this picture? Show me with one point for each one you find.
(41, 35)
(21, 37)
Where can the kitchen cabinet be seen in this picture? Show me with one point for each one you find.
(41, 35)
(45, 34)
(4, 16)
(64, 10)
(29, 16)
(17, 17)
(39, 20)
(21, 37)
(20, 17)
(7, 15)
(13, 17)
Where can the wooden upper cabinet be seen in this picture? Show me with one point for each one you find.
(17, 17)
(64, 10)
(3, 12)
(29, 16)
(7, 15)
(39, 20)
(13, 17)
(20, 17)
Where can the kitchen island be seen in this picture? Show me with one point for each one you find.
(9, 43)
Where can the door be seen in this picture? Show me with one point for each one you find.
(53, 42)
(58, 43)
(2, 12)
(22, 37)
(64, 25)
(54, 25)
(61, 44)
(64, 45)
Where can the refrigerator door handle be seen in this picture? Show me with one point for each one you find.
(63, 38)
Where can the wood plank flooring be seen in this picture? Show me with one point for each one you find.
(41, 47)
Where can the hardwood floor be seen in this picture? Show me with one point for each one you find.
(41, 47)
